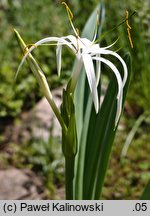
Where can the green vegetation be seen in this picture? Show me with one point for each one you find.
(34, 25)
(126, 177)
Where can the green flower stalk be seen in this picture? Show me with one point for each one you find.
(37, 71)
(66, 118)
(69, 140)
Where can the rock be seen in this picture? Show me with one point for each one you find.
(41, 121)
(38, 123)
(20, 184)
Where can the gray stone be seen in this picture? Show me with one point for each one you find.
(20, 184)
(41, 120)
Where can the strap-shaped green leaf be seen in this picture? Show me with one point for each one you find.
(99, 127)
(146, 192)
(81, 92)
(83, 105)
(100, 139)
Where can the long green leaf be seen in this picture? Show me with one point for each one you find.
(83, 108)
(97, 130)
(82, 93)
(100, 140)
(146, 192)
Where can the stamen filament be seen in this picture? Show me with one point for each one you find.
(26, 49)
(70, 16)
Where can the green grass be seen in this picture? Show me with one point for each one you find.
(127, 177)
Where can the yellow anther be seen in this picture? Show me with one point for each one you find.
(129, 36)
(70, 14)
(128, 29)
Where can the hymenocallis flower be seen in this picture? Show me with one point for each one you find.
(87, 52)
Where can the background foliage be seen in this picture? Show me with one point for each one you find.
(43, 19)
(47, 18)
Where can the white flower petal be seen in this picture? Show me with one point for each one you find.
(72, 39)
(124, 66)
(96, 49)
(58, 58)
(119, 108)
(120, 84)
(89, 68)
(109, 52)
(98, 70)
(86, 42)
(62, 41)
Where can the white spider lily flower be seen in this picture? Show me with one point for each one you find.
(86, 52)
